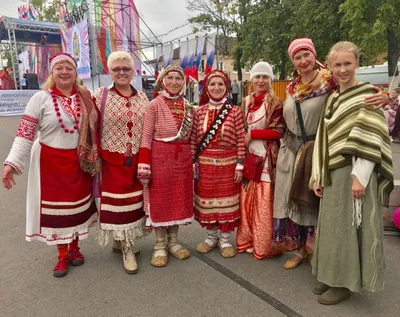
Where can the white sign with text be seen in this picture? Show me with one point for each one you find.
(13, 102)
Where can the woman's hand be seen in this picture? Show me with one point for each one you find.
(247, 139)
(145, 182)
(357, 190)
(238, 177)
(379, 100)
(8, 176)
(318, 191)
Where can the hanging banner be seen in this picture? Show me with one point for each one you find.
(23, 63)
(117, 29)
(210, 53)
(158, 63)
(39, 60)
(184, 54)
(168, 54)
(199, 55)
(75, 41)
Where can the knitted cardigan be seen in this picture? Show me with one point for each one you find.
(352, 128)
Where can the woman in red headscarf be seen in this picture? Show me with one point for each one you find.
(217, 143)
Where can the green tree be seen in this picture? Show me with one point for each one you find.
(268, 33)
(228, 17)
(274, 23)
(319, 20)
(375, 27)
(48, 10)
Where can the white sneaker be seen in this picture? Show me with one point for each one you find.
(129, 260)
(249, 250)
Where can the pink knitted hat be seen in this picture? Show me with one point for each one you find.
(62, 57)
(302, 43)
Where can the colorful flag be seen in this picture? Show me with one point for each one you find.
(168, 52)
(184, 54)
(199, 54)
(210, 54)
(27, 12)
(192, 52)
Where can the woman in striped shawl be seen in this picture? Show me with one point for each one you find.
(352, 173)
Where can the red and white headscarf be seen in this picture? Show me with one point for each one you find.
(160, 84)
(205, 94)
(62, 57)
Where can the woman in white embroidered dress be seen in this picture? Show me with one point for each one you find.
(60, 207)
(165, 165)
(122, 110)
(265, 125)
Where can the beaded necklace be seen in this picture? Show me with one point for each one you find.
(66, 104)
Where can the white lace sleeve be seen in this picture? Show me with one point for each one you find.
(26, 134)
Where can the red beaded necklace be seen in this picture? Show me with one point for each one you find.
(67, 106)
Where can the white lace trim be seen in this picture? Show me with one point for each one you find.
(129, 233)
(53, 236)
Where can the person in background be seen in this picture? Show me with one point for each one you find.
(353, 176)
(235, 92)
(391, 109)
(59, 207)
(122, 108)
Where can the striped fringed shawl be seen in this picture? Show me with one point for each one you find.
(351, 128)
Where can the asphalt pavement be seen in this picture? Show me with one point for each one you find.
(203, 285)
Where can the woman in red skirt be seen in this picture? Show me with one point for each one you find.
(122, 110)
(217, 143)
(60, 207)
(165, 165)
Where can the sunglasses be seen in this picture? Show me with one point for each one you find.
(123, 69)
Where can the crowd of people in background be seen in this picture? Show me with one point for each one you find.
(293, 175)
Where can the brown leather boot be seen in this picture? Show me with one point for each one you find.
(334, 295)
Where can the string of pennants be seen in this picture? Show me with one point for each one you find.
(190, 54)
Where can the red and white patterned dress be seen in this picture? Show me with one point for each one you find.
(216, 194)
(165, 157)
(121, 204)
(59, 202)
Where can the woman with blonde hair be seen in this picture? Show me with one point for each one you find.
(60, 207)
(265, 125)
(352, 174)
(122, 109)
